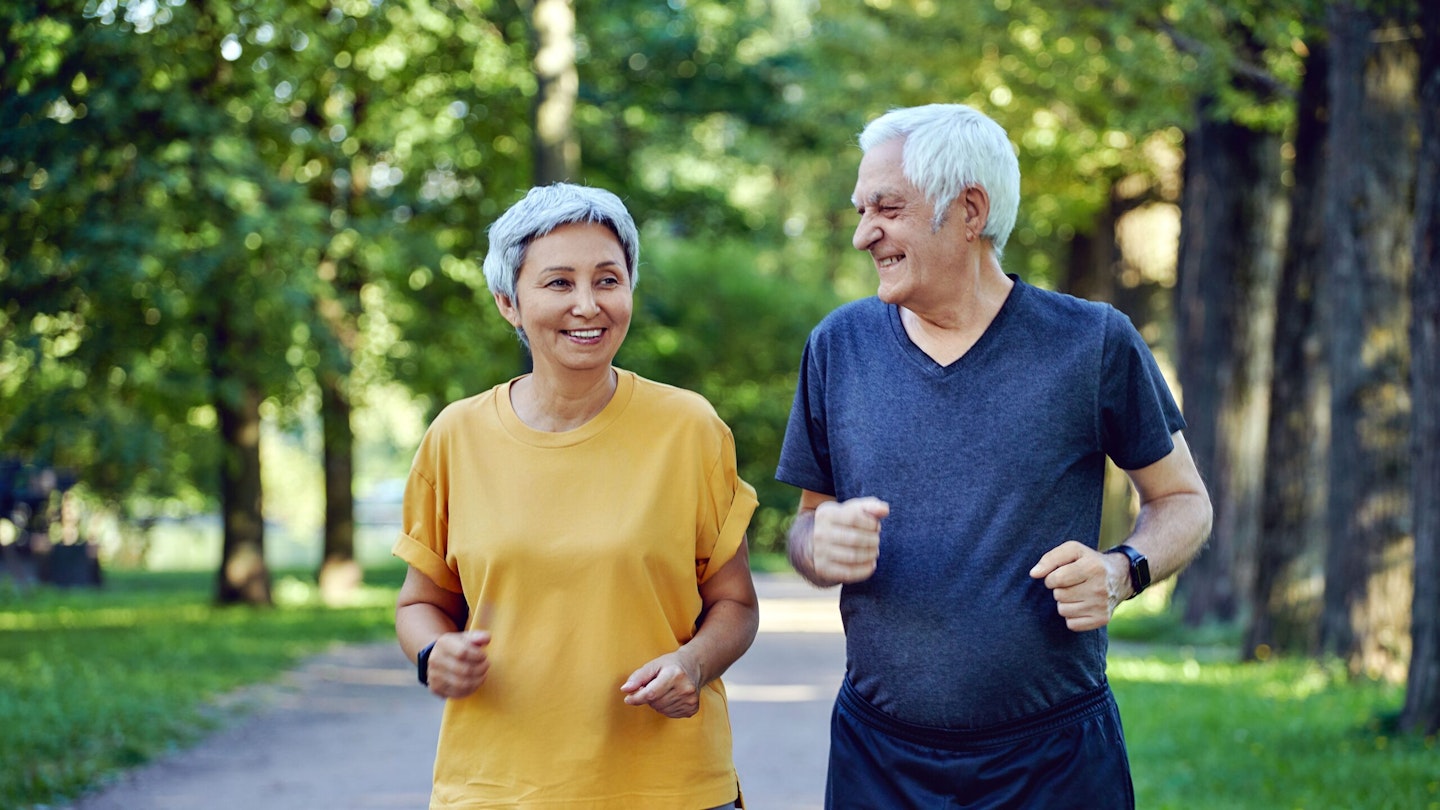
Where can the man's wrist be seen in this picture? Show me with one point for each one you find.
(1136, 568)
(1117, 578)
(798, 545)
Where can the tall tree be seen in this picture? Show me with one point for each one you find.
(243, 226)
(94, 379)
(557, 152)
(1228, 264)
(172, 256)
(1290, 548)
(1369, 224)
(1422, 694)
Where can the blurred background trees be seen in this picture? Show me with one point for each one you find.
(227, 228)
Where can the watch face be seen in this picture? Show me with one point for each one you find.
(1139, 567)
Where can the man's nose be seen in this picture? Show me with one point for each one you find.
(866, 234)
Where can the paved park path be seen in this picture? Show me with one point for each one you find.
(351, 730)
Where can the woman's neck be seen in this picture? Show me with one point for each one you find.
(554, 405)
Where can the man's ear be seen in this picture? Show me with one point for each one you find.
(975, 202)
(507, 308)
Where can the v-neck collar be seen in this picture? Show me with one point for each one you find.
(927, 364)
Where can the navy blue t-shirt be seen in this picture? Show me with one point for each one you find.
(987, 464)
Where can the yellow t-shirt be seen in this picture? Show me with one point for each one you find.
(582, 550)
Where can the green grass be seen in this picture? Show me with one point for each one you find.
(1286, 735)
(92, 682)
(1206, 731)
(95, 681)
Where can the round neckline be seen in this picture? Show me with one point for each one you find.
(516, 427)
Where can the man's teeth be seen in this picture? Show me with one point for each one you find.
(886, 262)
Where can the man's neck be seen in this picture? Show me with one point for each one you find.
(951, 326)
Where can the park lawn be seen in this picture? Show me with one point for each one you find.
(93, 681)
(1288, 735)
(1205, 731)
(97, 681)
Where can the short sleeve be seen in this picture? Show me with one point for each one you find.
(1138, 414)
(732, 503)
(424, 529)
(805, 453)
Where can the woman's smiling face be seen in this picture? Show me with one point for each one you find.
(572, 299)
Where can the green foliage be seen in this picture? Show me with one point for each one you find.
(197, 194)
(96, 681)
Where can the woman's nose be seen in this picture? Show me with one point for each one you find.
(585, 304)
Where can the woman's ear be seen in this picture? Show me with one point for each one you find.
(507, 308)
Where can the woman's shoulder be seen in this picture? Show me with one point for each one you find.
(667, 394)
(462, 412)
(671, 401)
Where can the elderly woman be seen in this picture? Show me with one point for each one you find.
(578, 574)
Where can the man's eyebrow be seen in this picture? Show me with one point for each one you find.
(874, 198)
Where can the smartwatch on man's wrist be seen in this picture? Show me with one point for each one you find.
(1139, 568)
(422, 664)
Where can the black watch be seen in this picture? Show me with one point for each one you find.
(422, 661)
(1139, 568)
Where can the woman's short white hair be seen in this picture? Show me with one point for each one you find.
(542, 210)
(949, 147)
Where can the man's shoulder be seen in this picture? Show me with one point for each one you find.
(847, 315)
(1064, 311)
(1061, 302)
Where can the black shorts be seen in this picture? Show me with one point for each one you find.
(1071, 756)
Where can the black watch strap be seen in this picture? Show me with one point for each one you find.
(422, 664)
(1139, 568)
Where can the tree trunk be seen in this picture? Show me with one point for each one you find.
(557, 153)
(339, 573)
(1368, 566)
(1232, 213)
(340, 310)
(1289, 557)
(244, 577)
(1421, 713)
(1090, 264)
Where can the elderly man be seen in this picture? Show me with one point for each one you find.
(949, 436)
